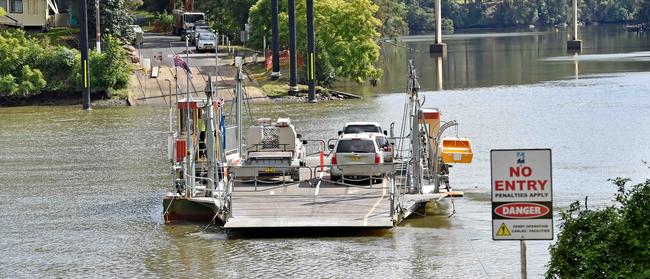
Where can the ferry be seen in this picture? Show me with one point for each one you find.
(261, 177)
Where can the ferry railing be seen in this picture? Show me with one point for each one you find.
(354, 170)
(320, 152)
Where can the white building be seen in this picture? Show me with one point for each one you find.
(30, 13)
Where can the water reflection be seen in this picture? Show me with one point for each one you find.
(510, 58)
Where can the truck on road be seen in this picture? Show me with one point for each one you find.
(184, 21)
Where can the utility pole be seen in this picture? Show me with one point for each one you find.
(83, 49)
(98, 26)
(311, 52)
(275, 74)
(293, 56)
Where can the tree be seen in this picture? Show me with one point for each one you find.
(613, 242)
(346, 36)
(114, 19)
(133, 5)
(644, 11)
(228, 16)
(392, 15)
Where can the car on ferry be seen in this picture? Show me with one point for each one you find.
(362, 127)
(356, 156)
(371, 128)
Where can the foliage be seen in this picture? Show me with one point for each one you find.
(227, 16)
(18, 57)
(2, 12)
(524, 12)
(108, 69)
(133, 5)
(58, 66)
(392, 15)
(114, 19)
(510, 12)
(643, 14)
(423, 18)
(346, 36)
(29, 66)
(613, 242)
(162, 22)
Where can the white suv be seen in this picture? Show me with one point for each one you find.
(371, 128)
(362, 127)
(356, 155)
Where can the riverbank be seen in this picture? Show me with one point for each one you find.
(115, 98)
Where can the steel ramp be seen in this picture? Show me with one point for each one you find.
(297, 205)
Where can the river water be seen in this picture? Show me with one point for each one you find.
(81, 191)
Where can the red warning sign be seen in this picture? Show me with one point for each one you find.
(521, 210)
(522, 194)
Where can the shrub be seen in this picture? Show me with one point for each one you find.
(162, 22)
(58, 67)
(7, 85)
(29, 66)
(107, 70)
(610, 243)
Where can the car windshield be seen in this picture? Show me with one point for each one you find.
(352, 129)
(193, 18)
(206, 36)
(355, 145)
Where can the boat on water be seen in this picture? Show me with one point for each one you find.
(263, 178)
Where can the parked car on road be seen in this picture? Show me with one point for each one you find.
(206, 42)
(198, 29)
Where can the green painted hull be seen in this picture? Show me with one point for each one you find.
(182, 209)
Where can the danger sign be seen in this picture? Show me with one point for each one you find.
(522, 197)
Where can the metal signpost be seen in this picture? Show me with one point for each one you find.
(522, 196)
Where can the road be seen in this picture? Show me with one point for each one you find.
(147, 91)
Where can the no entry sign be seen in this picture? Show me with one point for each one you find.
(522, 196)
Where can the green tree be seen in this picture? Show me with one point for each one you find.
(346, 36)
(613, 242)
(114, 19)
(644, 11)
(392, 15)
(227, 16)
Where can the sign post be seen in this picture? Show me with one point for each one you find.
(522, 196)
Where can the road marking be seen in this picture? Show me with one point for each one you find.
(383, 194)
(318, 184)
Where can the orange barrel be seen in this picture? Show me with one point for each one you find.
(181, 150)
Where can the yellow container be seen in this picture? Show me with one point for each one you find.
(456, 150)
